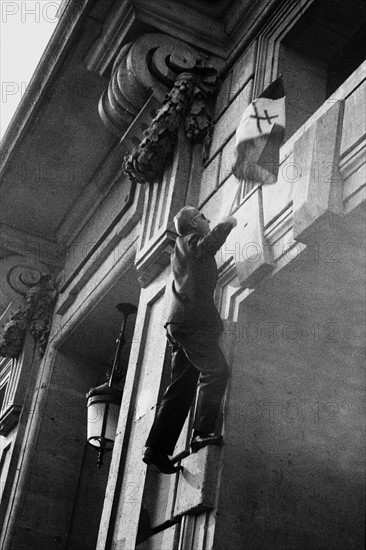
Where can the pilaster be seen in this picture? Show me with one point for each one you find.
(163, 199)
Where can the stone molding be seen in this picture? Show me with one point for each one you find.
(163, 199)
(317, 207)
(191, 24)
(139, 71)
(47, 254)
(198, 483)
(148, 66)
(31, 105)
(328, 154)
(21, 266)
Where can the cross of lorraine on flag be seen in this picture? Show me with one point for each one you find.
(259, 136)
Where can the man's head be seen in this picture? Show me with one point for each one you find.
(190, 219)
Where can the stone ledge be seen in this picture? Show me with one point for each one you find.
(156, 259)
(197, 484)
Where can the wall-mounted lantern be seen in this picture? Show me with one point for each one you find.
(104, 401)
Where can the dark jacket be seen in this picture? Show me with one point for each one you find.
(195, 277)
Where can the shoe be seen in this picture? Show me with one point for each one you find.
(160, 460)
(200, 441)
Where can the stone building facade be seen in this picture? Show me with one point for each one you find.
(79, 236)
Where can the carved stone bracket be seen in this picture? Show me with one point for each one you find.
(184, 107)
(35, 314)
(153, 65)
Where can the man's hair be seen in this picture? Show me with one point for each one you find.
(182, 221)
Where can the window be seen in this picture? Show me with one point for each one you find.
(322, 49)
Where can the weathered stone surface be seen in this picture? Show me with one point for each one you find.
(354, 124)
(318, 191)
(162, 201)
(145, 389)
(89, 500)
(26, 538)
(254, 259)
(218, 206)
(165, 540)
(293, 421)
(228, 122)
(222, 100)
(209, 179)
(200, 528)
(277, 196)
(63, 418)
(120, 205)
(227, 160)
(159, 496)
(197, 484)
(243, 70)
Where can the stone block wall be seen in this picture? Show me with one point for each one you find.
(233, 98)
(293, 417)
(292, 428)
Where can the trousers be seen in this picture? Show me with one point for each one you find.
(196, 358)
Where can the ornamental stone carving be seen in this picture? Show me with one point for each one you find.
(21, 277)
(184, 107)
(176, 75)
(35, 314)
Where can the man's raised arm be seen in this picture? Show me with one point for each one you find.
(212, 242)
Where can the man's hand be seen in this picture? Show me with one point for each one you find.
(232, 220)
(210, 243)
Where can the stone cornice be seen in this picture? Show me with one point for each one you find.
(116, 26)
(193, 26)
(222, 30)
(214, 8)
(16, 242)
(67, 28)
(219, 37)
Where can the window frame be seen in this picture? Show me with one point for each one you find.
(270, 41)
(268, 52)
